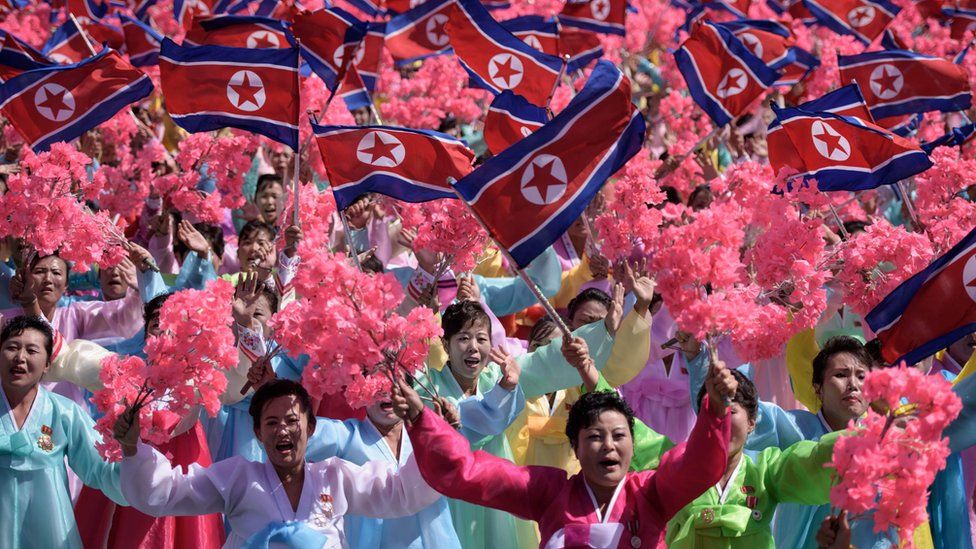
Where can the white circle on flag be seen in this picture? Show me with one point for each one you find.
(505, 70)
(969, 277)
(861, 16)
(60, 58)
(733, 83)
(380, 149)
(600, 9)
(339, 56)
(525, 131)
(54, 102)
(263, 39)
(886, 81)
(434, 29)
(415, 3)
(544, 180)
(829, 143)
(533, 41)
(752, 42)
(245, 91)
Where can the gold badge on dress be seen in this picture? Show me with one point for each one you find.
(708, 515)
(44, 441)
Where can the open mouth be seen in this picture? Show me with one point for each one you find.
(610, 464)
(18, 371)
(472, 362)
(386, 406)
(285, 447)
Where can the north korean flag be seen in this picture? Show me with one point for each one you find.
(496, 59)
(100, 32)
(930, 310)
(59, 103)
(367, 58)
(369, 7)
(724, 77)
(774, 43)
(536, 31)
(185, 11)
(325, 35)
(239, 31)
(420, 32)
(142, 42)
(66, 45)
(862, 19)
(87, 11)
(530, 193)
(141, 8)
(17, 57)
(900, 82)
(960, 21)
(353, 91)
(847, 153)
(581, 46)
(511, 118)
(406, 164)
(254, 90)
(602, 16)
(891, 41)
(845, 101)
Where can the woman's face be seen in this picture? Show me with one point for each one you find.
(268, 201)
(23, 361)
(742, 425)
(840, 392)
(50, 279)
(284, 432)
(605, 449)
(588, 312)
(256, 250)
(468, 349)
(381, 412)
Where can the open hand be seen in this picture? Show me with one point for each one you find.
(406, 402)
(509, 366)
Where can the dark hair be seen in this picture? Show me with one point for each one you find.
(544, 327)
(462, 314)
(253, 227)
(266, 181)
(271, 296)
(587, 295)
(670, 195)
(279, 388)
(835, 346)
(588, 408)
(22, 323)
(745, 394)
(372, 264)
(213, 234)
(855, 226)
(38, 257)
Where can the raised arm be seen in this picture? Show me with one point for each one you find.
(378, 490)
(78, 362)
(85, 460)
(507, 295)
(545, 370)
(491, 413)
(688, 470)
(798, 475)
(447, 463)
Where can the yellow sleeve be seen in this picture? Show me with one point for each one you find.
(79, 362)
(572, 280)
(436, 354)
(969, 368)
(800, 351)
(491, 266)
(631, 347)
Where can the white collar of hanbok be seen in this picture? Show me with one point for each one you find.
(452, 381)
(596, 505)
(281, 497)
(823, 421)
(7, 416)
(723, 491)
(405, 448)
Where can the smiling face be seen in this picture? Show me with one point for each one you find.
(50, 280)
(468, 349)
(256, 249)
(284, 432)
(840, 391)
(605, 449)
(23, 361)
(268, 201)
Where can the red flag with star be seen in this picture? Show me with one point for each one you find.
(603, 16)
(496, 59)
(930, 310)
(406, 164)
(898, 82)
(254, 90)
(419, 32)
(238, 32)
